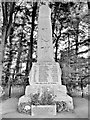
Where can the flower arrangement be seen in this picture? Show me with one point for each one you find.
(35, 99)
(45, 98)
(61, 106)
(25, 108)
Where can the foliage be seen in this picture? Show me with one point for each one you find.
(35, 99)
(24, 108)
(46, 98)
(70, 40)
(61, 106)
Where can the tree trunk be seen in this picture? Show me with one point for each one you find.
(19, 55)
(10, 58)
(68, 45)
(77, 33)
(88, 5)
(53, 24)
(2, 52)
(76, 52)
(7, 23)
(33, 26)
(10, 87)
(82, 87)
(56, 46)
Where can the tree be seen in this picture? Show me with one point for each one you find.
(75, 38)
(60, 23)
(8, 10)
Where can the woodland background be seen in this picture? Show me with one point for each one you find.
(18, 41)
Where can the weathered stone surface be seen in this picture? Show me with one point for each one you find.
(45, 47)
(65, 98)
(54, 88)
(24, 99)
(48, 73)
(45, 73)
(60, 89)
(33, 89)
(43, 110)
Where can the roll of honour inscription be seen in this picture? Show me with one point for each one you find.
(48, 73)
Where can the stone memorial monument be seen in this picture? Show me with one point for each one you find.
(46, 73)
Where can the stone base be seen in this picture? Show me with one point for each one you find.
(65, 98)
(43, 110)
(24, 99)
(39, 87)
(59, 91)
(46, 77)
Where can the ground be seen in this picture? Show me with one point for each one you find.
(9, 109)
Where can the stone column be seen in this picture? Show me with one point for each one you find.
(45, 46)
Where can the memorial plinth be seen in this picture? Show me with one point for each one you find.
(43, 110)
(45, 74)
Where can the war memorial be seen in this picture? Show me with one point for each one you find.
(45, 92)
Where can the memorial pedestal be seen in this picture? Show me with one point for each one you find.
(46, 77)
(45, 73)
(43, 110)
